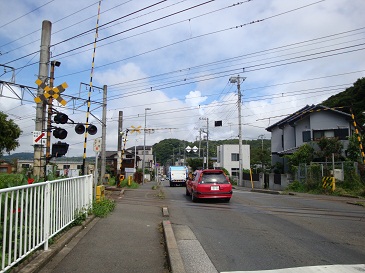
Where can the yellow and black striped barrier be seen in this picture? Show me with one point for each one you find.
(328, 181)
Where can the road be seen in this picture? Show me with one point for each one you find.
(257, 231)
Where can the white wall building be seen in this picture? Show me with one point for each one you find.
(228, 158)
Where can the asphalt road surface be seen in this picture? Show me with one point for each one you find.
(257, 231)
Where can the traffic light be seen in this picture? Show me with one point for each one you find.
(60, 133)
(92, 130)
(61, 118)
(80, 129)
(59, 149)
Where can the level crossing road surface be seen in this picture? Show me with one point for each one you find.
(259, 232)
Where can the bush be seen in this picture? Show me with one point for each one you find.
(133, 185)
(103, 208)
(12, 180)
(296, 186)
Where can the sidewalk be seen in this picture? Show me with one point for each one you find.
(130, 239)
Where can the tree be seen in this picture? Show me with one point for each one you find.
(329, 146)
(353, 149)
(303, 155)
(195, 163)
(9, 135)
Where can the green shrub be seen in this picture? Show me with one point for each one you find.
(133, 185)
(103, 208)
(296, 186)
(12, 180)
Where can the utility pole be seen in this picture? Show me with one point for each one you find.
(120, 139)
(238, 80)
(207, 143)
(144, 142)
(207, 132)
(103, 136)
(41, 107)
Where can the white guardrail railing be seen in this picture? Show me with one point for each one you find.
(32, 214)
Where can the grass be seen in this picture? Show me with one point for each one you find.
(103, 208)
(342, 189)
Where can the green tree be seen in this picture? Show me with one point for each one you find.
(354, 97)
(9, 134)
(195, 163)
(304, 154)
(353, 149)
(329, 146)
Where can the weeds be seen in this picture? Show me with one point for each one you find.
(103, 208)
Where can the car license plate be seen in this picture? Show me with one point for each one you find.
(214, 188)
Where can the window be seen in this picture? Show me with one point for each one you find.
(234, 171)
(341, 134)
(235, 157)
(66, 167)
(79, 167)
(25, 166)
(306, 136)
(209, 178)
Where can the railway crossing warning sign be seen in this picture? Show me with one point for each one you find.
(51, 92)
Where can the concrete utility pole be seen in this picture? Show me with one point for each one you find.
(238, 80)
(144, 142)
(41, 107)
(207, 143)
(120, 140)
(103, 136)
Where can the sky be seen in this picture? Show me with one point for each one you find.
(176, 58)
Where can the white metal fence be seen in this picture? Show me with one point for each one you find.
(32, 214)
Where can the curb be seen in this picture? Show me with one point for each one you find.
(44, 257)
(266, 191)
(175, 260)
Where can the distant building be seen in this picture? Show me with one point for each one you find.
(62, 167)
(228, 158)
(5, 167)
(132, 156)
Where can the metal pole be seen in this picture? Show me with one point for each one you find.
(135, 154)
(49, 118)
(41, 107)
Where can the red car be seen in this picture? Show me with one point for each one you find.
(209, 183)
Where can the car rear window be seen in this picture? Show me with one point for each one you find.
(209, 178)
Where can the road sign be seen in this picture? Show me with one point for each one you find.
(195, 149)
(97, 145)
(188, 149)
(39, 138)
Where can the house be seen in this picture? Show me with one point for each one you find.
(132, 157)
(308, 124)
(228, 158)
(63, 167)
(5, 167)
(138, 152)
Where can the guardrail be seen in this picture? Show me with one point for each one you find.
(32, 214)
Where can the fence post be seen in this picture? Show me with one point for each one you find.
(46, 213)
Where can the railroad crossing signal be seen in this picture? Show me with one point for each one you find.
(137, 130)
(48, 92)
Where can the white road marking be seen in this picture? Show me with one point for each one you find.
(337, 268)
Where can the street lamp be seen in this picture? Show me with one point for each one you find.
(238, 80)
(144, 142)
